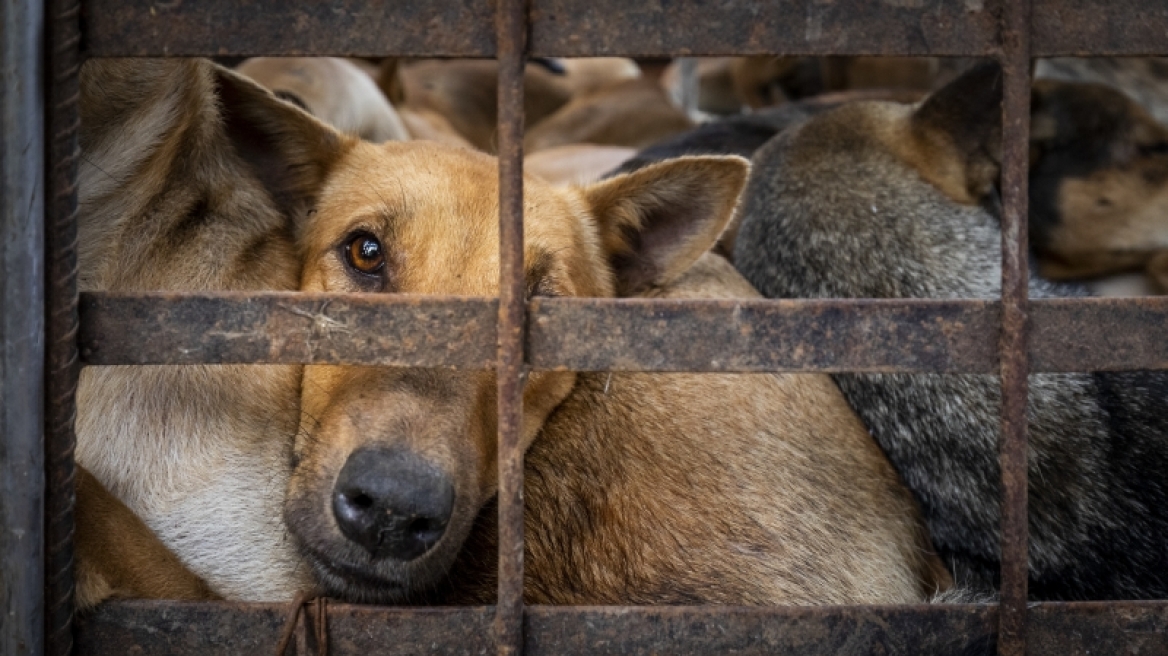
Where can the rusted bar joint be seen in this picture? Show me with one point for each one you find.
(511, 25)
(1014, 354)
(62, 366)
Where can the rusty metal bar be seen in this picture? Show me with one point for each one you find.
(462, 28)
(62, 366)
(511, 23)
(450, 28)
(1014, 353)
(1098, 334)
(1057, 629)
(802, 27)
(1098, 27)
(286, 327)
(1081, 334)
(22, 277)
(819, 335)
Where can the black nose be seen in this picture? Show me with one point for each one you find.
(392, 502)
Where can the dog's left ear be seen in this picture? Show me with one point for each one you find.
(968, 113)
(656, 222)
(289, 151)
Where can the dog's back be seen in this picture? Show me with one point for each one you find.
(710, 488)
(878, 200)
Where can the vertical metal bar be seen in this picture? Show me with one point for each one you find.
(511, 23)
(1014, 354)
(62, 365)
(22, 355)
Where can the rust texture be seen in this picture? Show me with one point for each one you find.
(511, 23)
(1093, 334)
(1058, 629)
(820, 335)
(414, 331)
(1098, 27)
(1014, 355)
(844, 27)
(62, 365)
(1092, 628)
(462, 28)
(1098, 334)
(453, 28)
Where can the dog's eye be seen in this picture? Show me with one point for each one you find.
(365, 254)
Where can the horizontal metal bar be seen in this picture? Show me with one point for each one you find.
(1065, 629)
(454, 28)
(1099, 334)
(1098, 27)
(791, 335)
(619, 334)
(287, 327)
(464, 28)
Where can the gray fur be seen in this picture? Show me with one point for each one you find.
(829, 213)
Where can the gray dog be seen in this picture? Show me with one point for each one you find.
(879, 200)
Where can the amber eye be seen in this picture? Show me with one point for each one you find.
(365, 254)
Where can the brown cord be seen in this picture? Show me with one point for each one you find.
(320, 626)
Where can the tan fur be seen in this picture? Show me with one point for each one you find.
(432, 126)
(711, 488)
(586, 75)
(576, 163)
(334, 90)
(182, 188)
(464, 93)
(118, 556)
(633, 114)
(782, 531)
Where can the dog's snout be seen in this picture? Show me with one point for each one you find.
(393, 503)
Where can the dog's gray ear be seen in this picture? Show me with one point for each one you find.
(288, 150)
(656, 222)
(967, 113)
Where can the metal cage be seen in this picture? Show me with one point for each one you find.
(49, 332)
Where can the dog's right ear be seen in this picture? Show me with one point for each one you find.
(657, 221)
(289, 151)
(967, 114)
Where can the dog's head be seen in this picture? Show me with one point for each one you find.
(393, 465)
(1099, 181)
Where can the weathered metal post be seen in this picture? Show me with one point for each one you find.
(22, 327)
(1014, 345)
(62, 363)
(511, 24)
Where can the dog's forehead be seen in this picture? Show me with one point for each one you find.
(425, 177)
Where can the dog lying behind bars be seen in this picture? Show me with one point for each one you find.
(183, 172)
(747, 489)
(892, 201)
(197, 179)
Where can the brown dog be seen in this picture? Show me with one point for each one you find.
(1099, 181)
(709, 488)
(643, 488)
